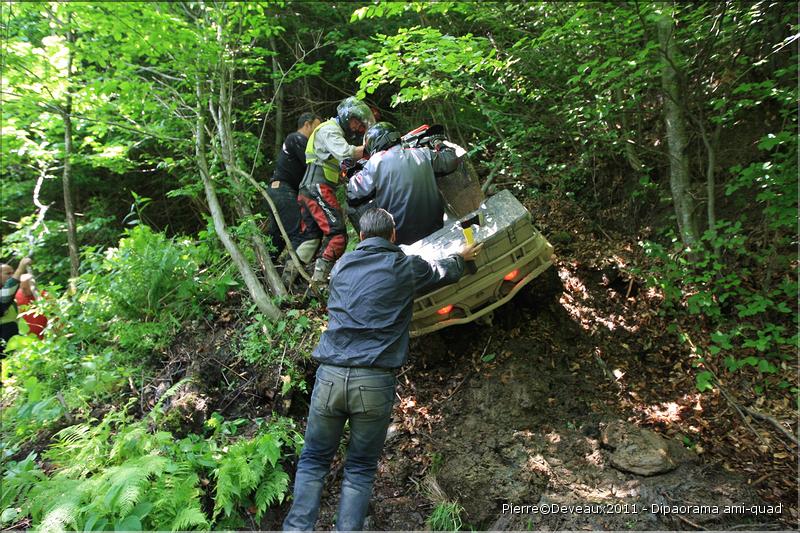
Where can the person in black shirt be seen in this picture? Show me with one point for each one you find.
(282, 189)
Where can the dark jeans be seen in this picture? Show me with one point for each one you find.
(364, 396)
(285, 199)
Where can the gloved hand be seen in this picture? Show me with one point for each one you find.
(319, 280)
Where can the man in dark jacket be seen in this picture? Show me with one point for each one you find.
(289, 170)
(372, 290)
(402, 181)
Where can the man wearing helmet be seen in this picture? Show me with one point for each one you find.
(402, 181)
(330, 143)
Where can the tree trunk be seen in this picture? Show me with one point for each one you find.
(278, 87)
(222, 117)
(257, 292)
(711, 145)
(677, 139)
(72, 234)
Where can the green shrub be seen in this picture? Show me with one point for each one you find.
(751, 325)
(737, 285)
(121, 474)
(129, 303)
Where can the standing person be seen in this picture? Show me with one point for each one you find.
(289, 170)
(402, 181)
(331, 143)
(9, 281)
(370, 306)
(26, 295)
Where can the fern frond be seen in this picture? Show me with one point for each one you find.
(128, 443)
(272, 489)
(269, 449)
(190, 517)
(71, 435)
(80, 449)
(152, 464)
(45, 496)
(60, 516)
(128, 498)
(127, 481)
(182, 469)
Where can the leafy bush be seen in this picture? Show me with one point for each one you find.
(750, 324)
(129, 303)
(753, 320)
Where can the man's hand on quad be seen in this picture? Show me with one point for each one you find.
(471, 251)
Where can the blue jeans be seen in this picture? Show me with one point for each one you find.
(365, 397)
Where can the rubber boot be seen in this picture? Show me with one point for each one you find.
(321, 270)
(305, 252)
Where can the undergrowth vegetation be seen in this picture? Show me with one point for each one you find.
(121, 474)
(739, 285)
(121, 470)
(283, 344)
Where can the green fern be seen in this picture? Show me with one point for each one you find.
(118, 474)
(126, 482)
(60, 516)
(269, 448)
(57, 503)
(272, 489)
(18, 479)
(177, 501)
(250, 468)
(188, 518)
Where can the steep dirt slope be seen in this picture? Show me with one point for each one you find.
(525, 413)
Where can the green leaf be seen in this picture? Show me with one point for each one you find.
(189, 517)
(18, 342)
(129, 523)
(766, 367)
(142, 509)
(488, 358)
(8, 515)
(704, 381)
(722, 339)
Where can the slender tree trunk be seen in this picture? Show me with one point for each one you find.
(278, 87)
(462, 141)
(710, 143)
(72, 234)
(257, 292)
(630, 152)
(677, 138)
(222, 117)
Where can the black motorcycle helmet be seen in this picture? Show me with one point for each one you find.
(353, 108)
(379, 137)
